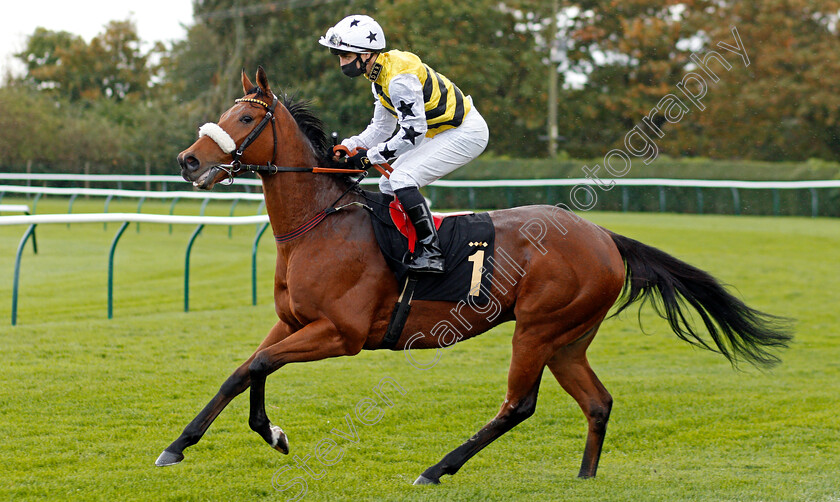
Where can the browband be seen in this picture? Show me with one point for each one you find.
(252, 100)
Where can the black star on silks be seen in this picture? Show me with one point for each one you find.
(388, 153)
(405, 108)
(354, 23)
(411, 134)
(371, 37)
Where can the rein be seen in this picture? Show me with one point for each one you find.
(236, 167)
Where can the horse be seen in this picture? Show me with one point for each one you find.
(334, 293)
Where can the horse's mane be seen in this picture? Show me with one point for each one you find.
(311, 126)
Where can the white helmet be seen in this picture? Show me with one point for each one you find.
(359, 34)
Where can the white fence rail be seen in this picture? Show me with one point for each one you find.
(36, 219)
(136, 194)
(177, 180)
(469, 188)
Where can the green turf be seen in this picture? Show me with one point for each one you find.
(88, 403)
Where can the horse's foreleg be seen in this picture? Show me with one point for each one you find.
(316, 341)
(233, 386)
(520, 403)
(572, 371)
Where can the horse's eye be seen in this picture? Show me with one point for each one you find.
(246, 119)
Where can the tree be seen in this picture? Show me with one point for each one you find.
(111, 66)
(88, 103)
(56, 133)
(478, 45)
(484, 55)
(786, 103)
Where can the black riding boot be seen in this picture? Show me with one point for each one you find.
(430, 258)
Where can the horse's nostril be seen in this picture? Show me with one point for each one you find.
(189, 162)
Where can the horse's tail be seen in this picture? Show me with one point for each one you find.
(738, 331)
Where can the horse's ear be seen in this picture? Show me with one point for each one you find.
(246, 83)
(262, 81)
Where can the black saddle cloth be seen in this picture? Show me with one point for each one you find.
(467, 243)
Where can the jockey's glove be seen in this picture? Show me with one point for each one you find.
(359, 160)
(339, 151)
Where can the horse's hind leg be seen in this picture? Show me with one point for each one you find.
(571, 369)
(526, 367)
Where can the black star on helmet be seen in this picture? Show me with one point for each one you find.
(354, 22)
(405, 108)
(411, 134)
(388, 153)
(371, 37)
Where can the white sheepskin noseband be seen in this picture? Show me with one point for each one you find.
(219, 135)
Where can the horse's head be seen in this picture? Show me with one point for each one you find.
(237, 139)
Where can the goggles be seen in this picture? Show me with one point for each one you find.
(334, 39)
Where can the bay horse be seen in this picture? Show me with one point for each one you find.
(334, 293)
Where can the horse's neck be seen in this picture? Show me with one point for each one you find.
(291, 198)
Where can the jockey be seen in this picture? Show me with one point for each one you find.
(438, 129)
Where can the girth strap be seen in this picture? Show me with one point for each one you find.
(400, 314)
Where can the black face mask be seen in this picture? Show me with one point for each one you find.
(352, 69)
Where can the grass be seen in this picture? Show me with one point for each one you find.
(88, 403)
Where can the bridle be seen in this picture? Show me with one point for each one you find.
(236, 166)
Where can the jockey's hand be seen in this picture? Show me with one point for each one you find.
(358, 159)
(339, 152)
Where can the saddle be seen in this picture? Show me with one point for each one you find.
(466, 240)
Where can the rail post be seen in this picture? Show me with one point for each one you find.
(139, 210)
(232, 209)
(35, 202)
(259, 211)
(29, 231)
(699, 192)
(172, 211)
(187, 267)
(736, 200)
(111, 269)
(254, 263)
(70, 205)
(105, 210)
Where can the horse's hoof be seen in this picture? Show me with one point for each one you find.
(423, 480)
(168, 458)
(279, 441)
